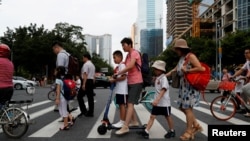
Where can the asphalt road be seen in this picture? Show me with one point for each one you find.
(46, 125)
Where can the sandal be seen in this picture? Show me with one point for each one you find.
(64, 128)
(73, 121)
(187, 136)
(197, 129)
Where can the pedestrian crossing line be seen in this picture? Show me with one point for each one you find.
(52, 128)
(181, 116)
(157, 131)
(232, 120)
(41, 112)
(37, 104)
(93, 132)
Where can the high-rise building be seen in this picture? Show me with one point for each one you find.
(148, 24)
(151, 41)
(179, 17)
(101, 45)
(205, 5)
(243, 14)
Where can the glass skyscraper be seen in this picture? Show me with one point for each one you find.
(243, 14)
(149, 26)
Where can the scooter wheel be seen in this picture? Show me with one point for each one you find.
(102, 129)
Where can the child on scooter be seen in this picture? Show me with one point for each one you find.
(161, 103)
(121, 88)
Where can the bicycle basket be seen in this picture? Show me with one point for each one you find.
(227, 85)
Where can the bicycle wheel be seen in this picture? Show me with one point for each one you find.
(223, 108)
(16, 122)
(52, 95)
(148, 100)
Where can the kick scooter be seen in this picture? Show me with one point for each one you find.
(105, 123)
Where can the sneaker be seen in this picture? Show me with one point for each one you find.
(144, 134)
(123, 130)
(170, 134)
(134, 123)
(118, 124)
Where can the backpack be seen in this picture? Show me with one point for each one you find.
(69, 89)
(198, 80)
(145, 69)
(73, 66)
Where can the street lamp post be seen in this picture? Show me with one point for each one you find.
(12, 49)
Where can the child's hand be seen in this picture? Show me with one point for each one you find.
(111, 80)
(155, 102)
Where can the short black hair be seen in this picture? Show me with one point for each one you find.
(127, 41)
(57, 43)
(87, 55)
(118, 53)
(60, 72)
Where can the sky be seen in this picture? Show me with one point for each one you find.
(97, 17)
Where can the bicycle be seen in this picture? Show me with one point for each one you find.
(14, 120)
(52, 92)
(146, 99)
(224, 107)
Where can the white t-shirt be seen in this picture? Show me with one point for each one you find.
(78, 83)
(239, 84)
(246, 66)
(162, 82)
(121, 87)
(60, 82)
(88, 68)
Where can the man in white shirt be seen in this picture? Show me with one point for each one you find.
(87, 88)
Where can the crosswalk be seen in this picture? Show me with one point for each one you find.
(157, 131)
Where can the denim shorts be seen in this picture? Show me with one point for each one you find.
(134, 92)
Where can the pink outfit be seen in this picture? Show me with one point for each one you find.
(226, 77)
(6, 73)
(134, 75)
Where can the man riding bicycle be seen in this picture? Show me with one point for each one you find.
(6, 74)
(246, 67)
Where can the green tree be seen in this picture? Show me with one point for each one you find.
(32, 51)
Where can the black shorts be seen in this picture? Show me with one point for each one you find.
(165, 111)
(121, 98)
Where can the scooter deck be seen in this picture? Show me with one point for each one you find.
(130, 127)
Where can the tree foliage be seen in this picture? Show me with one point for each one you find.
(233, 46)
(32, 51)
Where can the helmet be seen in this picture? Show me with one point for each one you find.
(4, 50)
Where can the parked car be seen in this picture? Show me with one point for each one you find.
(31, 82)
(20, 84)
(102, 82)
(213, 85)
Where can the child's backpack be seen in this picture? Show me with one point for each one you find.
(69, 89)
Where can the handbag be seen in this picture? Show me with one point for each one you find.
(198, 80)
(175, 79)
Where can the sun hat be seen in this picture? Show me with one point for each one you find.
(181, 43)
(160, 65)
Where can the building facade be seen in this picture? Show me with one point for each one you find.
(151, 41)
(243, 14)
(101, 45)
(148, 24)
(179, 17)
